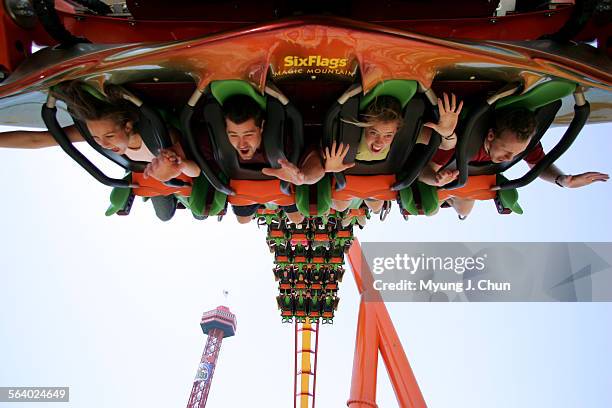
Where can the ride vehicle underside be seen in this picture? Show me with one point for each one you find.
(315, 64)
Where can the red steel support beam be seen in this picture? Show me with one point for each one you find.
(375, 331)
(365, 360)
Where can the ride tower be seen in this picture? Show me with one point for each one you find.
(217, 324)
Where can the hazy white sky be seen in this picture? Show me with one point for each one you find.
(111, 306)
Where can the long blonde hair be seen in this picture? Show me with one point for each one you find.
(85, 106)
(383, 108)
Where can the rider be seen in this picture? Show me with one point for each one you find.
(244, 124)
(508, 137)
(113, 124)
(381, 121)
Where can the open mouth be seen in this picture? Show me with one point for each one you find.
(376, 149)
(244, 152)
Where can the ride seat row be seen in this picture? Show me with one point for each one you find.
(228, 181)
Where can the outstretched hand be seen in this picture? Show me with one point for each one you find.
(581, 180)
(287, 172)
(449, 116)
(334, 158)
(164, 167)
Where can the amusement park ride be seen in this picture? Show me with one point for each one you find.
(314, 64)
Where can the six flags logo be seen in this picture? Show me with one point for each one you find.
(293, 61)
(314, 65)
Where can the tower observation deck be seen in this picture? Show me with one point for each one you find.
(217, 324)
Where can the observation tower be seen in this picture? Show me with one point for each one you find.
(217, 324)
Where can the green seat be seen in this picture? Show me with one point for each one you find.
(323, 197)
(222, 90)
(200, 192)
(429, 198)
(429, 201)
(401, 89)
(508, 198)
(120, 197)
(407, 202)
(539, 95)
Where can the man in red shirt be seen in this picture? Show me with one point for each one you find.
(510, 136)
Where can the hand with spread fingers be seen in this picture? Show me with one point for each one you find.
(287, 172)
(334, 158)
(444, 177)
(449, 116)
(581, 180)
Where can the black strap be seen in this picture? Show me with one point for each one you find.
(467, 142)
(581, 115)
(49, 116)
(186, 116)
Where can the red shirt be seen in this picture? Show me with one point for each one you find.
(442, 157)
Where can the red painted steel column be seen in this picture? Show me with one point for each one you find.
(402, 378)
(365, 360)
(383, 336)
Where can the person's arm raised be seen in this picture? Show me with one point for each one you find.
(554, 175)
(449, 112)
(287, 172)
(334, 158)
(24, 139)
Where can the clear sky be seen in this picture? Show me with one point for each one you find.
(110, 306)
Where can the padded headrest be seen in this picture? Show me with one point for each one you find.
(400, 89)
(93, 92)
(222, 90)
(538, 96)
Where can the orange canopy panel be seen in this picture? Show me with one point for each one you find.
(476, 188)
(258, 192)
(377, 187)
(307, 48)
(150, 187)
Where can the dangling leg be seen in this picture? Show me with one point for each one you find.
(244, 213)
(374, 204)
(340, 205)
(293, 214)
(463, 206)
(164, 206)
(295, 217)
